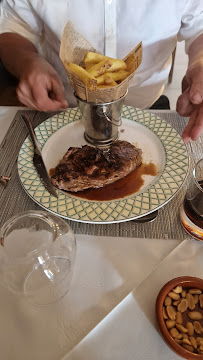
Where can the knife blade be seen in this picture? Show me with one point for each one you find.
(38, 160)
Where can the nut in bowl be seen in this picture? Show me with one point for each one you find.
(179, 313)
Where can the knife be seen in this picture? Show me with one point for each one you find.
(38, 160)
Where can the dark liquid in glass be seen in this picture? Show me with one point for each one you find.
(197, 203)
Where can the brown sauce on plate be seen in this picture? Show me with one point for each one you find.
(120, 188)
(51, 171)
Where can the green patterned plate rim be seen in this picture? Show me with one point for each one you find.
(101, 212)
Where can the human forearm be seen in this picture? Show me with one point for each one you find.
(39, 85)
(190, 103)
(16, 52)
(196, 49)
(194, 74)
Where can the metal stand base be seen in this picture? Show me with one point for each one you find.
(97, 142)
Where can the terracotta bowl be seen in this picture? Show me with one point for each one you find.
(185, 282)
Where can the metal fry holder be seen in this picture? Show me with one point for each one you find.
(101, 121)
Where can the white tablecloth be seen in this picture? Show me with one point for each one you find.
(130, 330)
(107, 269)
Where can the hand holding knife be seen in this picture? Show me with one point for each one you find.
(38, 160)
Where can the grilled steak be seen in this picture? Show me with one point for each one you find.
(90, 167)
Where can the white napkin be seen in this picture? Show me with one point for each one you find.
(130, 330)
(107, 269)
(7, 114)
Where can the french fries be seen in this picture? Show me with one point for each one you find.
(93, 58)
(109, 77)
(99, 71)
(86, 78)
(100, 68)
(117, 65)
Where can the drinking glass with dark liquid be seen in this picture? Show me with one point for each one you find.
(191, 212)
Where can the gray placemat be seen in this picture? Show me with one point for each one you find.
(13, 198)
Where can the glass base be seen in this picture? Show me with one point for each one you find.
(48, 283)
(192, 229)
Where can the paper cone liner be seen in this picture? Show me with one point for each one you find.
(73, 49)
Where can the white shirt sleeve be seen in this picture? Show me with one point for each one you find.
(191, 22)
(19, 17)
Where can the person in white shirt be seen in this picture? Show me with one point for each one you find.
(30, 41)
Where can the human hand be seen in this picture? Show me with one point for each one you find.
(190, 103)
(40, 87)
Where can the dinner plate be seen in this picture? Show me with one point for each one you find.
(160, 144)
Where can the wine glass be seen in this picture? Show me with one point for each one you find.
(37, 255)
(191, 212)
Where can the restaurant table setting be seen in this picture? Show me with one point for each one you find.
(120, 266)
(15, 200)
